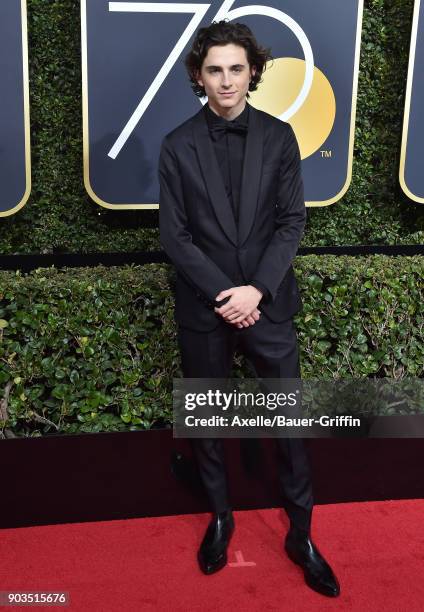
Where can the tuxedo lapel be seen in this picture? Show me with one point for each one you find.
(251, 176)
(212, 176)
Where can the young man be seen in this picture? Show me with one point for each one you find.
(231, 214)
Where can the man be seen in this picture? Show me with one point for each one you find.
(231, 214)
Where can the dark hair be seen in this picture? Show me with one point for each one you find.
(223, 33)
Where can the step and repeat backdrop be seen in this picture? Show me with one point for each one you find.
(15, 171)
(411, 167)
(135, 90)
(89, 348)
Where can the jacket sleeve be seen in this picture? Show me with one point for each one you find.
(175, 238)
(290, 218)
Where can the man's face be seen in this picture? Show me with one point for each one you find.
(225, 76)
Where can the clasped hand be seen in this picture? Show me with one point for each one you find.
(241, 309)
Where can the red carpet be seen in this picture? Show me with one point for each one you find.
(375, 548)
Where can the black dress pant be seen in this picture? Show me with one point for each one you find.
(272, 350)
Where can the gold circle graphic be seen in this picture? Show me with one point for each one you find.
(281, 84)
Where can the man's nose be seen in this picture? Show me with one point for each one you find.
(226, 80)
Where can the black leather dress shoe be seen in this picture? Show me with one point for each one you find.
(318, 574)
(212, 555)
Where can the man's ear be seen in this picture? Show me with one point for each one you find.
(198, 79)
(252, 71)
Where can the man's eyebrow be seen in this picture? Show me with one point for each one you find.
(219, 67)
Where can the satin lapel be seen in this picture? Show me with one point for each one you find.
(252, 170)
(212, 176)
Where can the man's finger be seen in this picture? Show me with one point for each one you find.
(228, 309)
(239, 319)
(224, 294)
(233, 315)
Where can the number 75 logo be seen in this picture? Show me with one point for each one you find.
(135, 88)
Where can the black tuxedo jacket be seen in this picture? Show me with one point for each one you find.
(197, 227)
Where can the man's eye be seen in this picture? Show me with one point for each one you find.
(236, 69)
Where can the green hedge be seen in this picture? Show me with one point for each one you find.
(59, 216)
(88, 350)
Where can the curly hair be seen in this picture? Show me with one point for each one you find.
(222, 33)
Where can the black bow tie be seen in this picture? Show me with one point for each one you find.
(221, 127)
